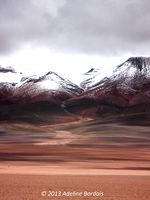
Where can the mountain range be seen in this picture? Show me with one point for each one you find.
(126, 92)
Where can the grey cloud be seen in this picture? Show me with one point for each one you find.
(23, 22)
(88, 26)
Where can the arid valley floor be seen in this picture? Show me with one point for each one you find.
(91, 155)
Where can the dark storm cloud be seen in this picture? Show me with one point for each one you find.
(90, 26)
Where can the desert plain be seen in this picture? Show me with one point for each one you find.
(88, 159)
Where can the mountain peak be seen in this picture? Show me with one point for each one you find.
(49, 73)
(138, 59)
(139, 63)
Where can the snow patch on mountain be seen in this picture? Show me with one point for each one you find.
(93, 77)
(53, 81)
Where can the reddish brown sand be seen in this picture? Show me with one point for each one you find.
(32, 187)
(88, 156)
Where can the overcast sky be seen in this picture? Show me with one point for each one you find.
(70, 36)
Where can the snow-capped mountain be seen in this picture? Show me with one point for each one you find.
(131, 75)
(131, 72)
(16, 87)
(93, 77)
(125, 91)
(129, 85)
(133, 69)
(50, 82)
(129, 80)
(90, 78)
